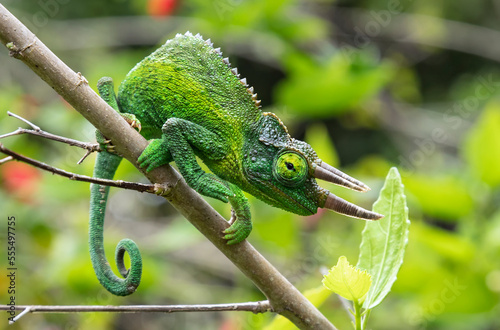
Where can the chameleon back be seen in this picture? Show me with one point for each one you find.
(187, 78)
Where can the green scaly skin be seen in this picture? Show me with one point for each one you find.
(189, 102)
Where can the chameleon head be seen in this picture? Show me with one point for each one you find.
(303, 164)
(286, 172)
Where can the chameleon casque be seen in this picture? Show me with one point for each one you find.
(188, 101)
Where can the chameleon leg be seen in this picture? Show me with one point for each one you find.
(242, 226)
(106, 165)
(106, 90)
(179, 139)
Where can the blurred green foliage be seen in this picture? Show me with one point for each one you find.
(362, 81)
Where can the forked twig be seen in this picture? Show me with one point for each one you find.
(36, 128)
(141, 187)
(37, 131)
(90, 147)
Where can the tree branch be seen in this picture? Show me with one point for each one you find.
(284, 298)
(254, 307)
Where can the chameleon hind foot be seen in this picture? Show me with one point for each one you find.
(106, 144)
(132, 121)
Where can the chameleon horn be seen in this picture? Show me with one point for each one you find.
(331, 174)
(342, 206)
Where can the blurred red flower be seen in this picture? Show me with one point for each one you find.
(19, 179)
(158, 8)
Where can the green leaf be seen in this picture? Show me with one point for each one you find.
(384, 241)
(348, 281)
(482, 145)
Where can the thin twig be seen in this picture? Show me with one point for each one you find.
(84, 156)
(36, 128)
(6, 160)
(18, 316)
(141, 187)
(254, 307)
(37, 131)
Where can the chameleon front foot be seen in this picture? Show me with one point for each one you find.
(238, 231)
(241, 219)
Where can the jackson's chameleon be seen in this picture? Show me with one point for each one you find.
(188, 101)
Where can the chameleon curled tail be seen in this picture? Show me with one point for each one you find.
(105, 167)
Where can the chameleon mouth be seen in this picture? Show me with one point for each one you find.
(306, 210)
(326, 172)
(284, 196)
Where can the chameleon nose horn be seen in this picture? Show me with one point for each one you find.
(329, 173)
(342, 206)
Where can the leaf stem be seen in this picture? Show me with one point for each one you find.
(357, 315)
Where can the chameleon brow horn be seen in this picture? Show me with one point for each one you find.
(326, 172)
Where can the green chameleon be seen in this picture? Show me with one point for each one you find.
(188, 101)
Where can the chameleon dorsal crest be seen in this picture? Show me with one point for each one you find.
(273, 131)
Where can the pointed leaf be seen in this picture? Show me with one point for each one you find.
(384, 241)
(348, 281)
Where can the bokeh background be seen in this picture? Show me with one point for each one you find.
(369, 84)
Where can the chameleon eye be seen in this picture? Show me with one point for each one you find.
(290, 168)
